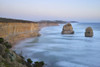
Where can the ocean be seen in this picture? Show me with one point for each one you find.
(68, 50)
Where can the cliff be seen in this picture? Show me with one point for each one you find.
(14, 30)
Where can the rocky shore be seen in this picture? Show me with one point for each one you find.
(9, 58)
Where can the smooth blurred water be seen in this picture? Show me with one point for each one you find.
(58, 50)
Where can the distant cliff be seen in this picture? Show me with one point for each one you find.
(46, 23)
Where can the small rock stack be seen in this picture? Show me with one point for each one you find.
(67, 29)
(89, 32)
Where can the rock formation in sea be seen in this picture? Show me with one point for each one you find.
(89, 32)
(67, 29)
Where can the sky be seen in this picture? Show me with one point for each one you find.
(36, 10)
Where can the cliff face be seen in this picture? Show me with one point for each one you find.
(14, 31)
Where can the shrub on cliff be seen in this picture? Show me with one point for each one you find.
(1, 40)
(38, 64)
(6, 50)
(29, 60)
(8, 45)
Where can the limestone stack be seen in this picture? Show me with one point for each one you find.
(67, 29)
(89, 32)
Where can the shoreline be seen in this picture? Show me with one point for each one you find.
(12, 28)
(18, 41)
(38, 34)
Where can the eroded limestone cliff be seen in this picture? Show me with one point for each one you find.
(14, 31)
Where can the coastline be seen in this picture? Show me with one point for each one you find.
(9, 34)
(14, 30)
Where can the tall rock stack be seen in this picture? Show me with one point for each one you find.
(67, 29)
(89, 32)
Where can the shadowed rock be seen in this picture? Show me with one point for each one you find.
(67, 29)
(89, 32)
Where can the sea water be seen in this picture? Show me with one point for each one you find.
(69, 50)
